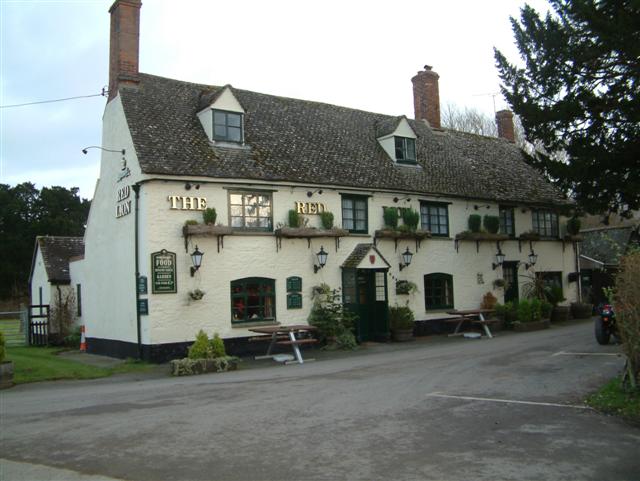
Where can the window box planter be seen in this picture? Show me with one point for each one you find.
(189, 367)
(529, 236)
(573, 238)
(531, 326)
(481, 236)
(417, 235)
(6, 374)
(206, 230)
(308, 233)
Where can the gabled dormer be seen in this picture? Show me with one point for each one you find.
(222, 117)
(398, 140)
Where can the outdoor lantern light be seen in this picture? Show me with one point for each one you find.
(196, 258)
(406, 259)
(322, 260)
(499, 259)
(533, 258)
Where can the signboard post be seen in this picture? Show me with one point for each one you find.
(163, 272)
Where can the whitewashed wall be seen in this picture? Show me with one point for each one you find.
(175, 317)
(40, 280)
(109, 287)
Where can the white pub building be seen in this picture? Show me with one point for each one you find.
(151, 279)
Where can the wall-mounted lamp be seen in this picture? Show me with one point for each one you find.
(322, 260)
(499, 259)
(196, 258)
(310, 193)
(398, 199)
(533, 258)
(84, 151)
(406, 259)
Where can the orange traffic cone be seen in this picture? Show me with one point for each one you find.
(83, 341)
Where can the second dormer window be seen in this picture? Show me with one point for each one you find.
(405, 150)
(227, 126)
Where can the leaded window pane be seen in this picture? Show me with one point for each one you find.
(354, 214)
(434, 218)
(250, 211)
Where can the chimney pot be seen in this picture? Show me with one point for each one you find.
(504, 120)
(124, 44)
(426, 96)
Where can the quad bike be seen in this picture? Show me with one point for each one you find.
(606, 325)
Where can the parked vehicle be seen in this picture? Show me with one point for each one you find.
(606, 324)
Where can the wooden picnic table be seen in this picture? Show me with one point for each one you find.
(474, 315)
(286, 336)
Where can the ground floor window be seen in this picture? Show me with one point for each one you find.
(550, 279)
(438, 291)
(253, 299)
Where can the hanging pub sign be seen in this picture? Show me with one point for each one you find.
(163, 272)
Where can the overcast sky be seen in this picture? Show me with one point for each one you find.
(359, 54)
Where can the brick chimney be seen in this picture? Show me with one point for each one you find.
(124, 43)
(504, 119)
(426, 97)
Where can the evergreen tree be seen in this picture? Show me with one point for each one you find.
(578, 95)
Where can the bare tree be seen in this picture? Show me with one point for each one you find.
(465, 119)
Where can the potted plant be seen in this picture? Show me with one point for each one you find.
(401, 323)
(204, 356)
(390, 216)
(499, 283)
(475, 222)
(196, 294)
(6, 367)
(405, 287)
(581, 310)
(492, 223)
(410, 218)
(555, 296)
(209, 216)
(326, 219)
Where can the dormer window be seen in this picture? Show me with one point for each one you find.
(227, 126)
(405, 150)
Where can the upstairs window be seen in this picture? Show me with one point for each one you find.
(251, 210)
(434, 217)
(354, 214)
(405, 150)
(227, 126)
(545, 222)
(507, 224)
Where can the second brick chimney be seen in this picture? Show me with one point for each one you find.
(426, 97)
(124, 44)
(504, 119)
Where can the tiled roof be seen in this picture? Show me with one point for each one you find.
(607, 244)
(358, 254)
(316, 143)
(56, 252)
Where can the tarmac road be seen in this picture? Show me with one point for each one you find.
(435, 409)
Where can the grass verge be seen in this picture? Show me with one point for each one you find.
(33, 364)
(613, 399)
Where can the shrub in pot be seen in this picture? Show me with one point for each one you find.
(401, 323)
(410, 218)
(209, 216)
(492, 223)
(475, 222)
(295, 219)
(326, 218)
(573, 226)
(555, 296)
(390, 217)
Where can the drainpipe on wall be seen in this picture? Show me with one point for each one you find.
(136, 189)
(576, 250)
